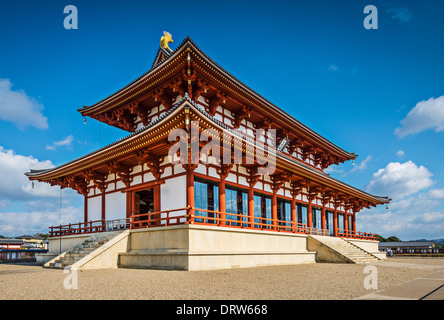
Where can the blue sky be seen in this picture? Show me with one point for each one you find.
(377, 93)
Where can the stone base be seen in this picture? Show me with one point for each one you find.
(42, 258)
(198, 247)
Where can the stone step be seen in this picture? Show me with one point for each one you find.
(75, 254)
(82, 250)
(347, 249)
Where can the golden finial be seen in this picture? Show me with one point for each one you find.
(167, 38)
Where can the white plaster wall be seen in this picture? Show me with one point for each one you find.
(95, 209)
(148, 177)
(111, 187)
(178, 169)
(201, 168)
(136, 180)
(243, 181)
(212, 172)
(137, 169)
(218, 117)
(173, 195)
(115, 206)
(120, 185)
(167, 172)
(231, 178)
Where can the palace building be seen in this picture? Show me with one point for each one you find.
(211, 175)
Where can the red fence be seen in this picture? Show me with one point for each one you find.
(357, 235)
(200, 217)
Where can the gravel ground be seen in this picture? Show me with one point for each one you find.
(315, 281)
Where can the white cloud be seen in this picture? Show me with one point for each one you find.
(437, 194)
(4, 203)
(414, 212)
(67, 142)
(14, 185)
(333, 169)
(341, 171)
(402, 14)
(31, 222)
(24, 209)
(333, 67)
(424, 116)
(17, 107)
(398, 180)
(362, 166)
(419, 216)
(400, 153)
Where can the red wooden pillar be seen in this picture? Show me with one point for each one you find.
(293, 213)
(85, 209)
(223, 172)
(190, 190)
(309, 214)
(156, 194)
(346, 222)
(354, 222)
(335, 222)
(129, 203)
(156, 207)
(274, 209)
(103, 209)
(222, 203)
(250, 206)
(323, 217)
(103, 206)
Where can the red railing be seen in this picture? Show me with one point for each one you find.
(357, 235)
(89, 227)
(160, 218)
(190, 215)
(235, 220)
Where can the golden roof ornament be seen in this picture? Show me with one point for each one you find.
(167, 38)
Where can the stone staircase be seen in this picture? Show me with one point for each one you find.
(333, 249)
(73, 255)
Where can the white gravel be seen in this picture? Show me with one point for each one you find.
(314, 281)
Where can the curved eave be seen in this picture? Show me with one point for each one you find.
(48, 174)
(302, 169)
(293, 121)
(96, 108)
(289, 119)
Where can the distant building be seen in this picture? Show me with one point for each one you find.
(20, 250)
(34, 241)
(11, 244)
(410, 247)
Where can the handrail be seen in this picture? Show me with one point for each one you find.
(190, 215)
(154, 219)
(248, 222)
(88, 227)
(357, 235)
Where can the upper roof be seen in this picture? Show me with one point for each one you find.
(165, 61)
(115, 148)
